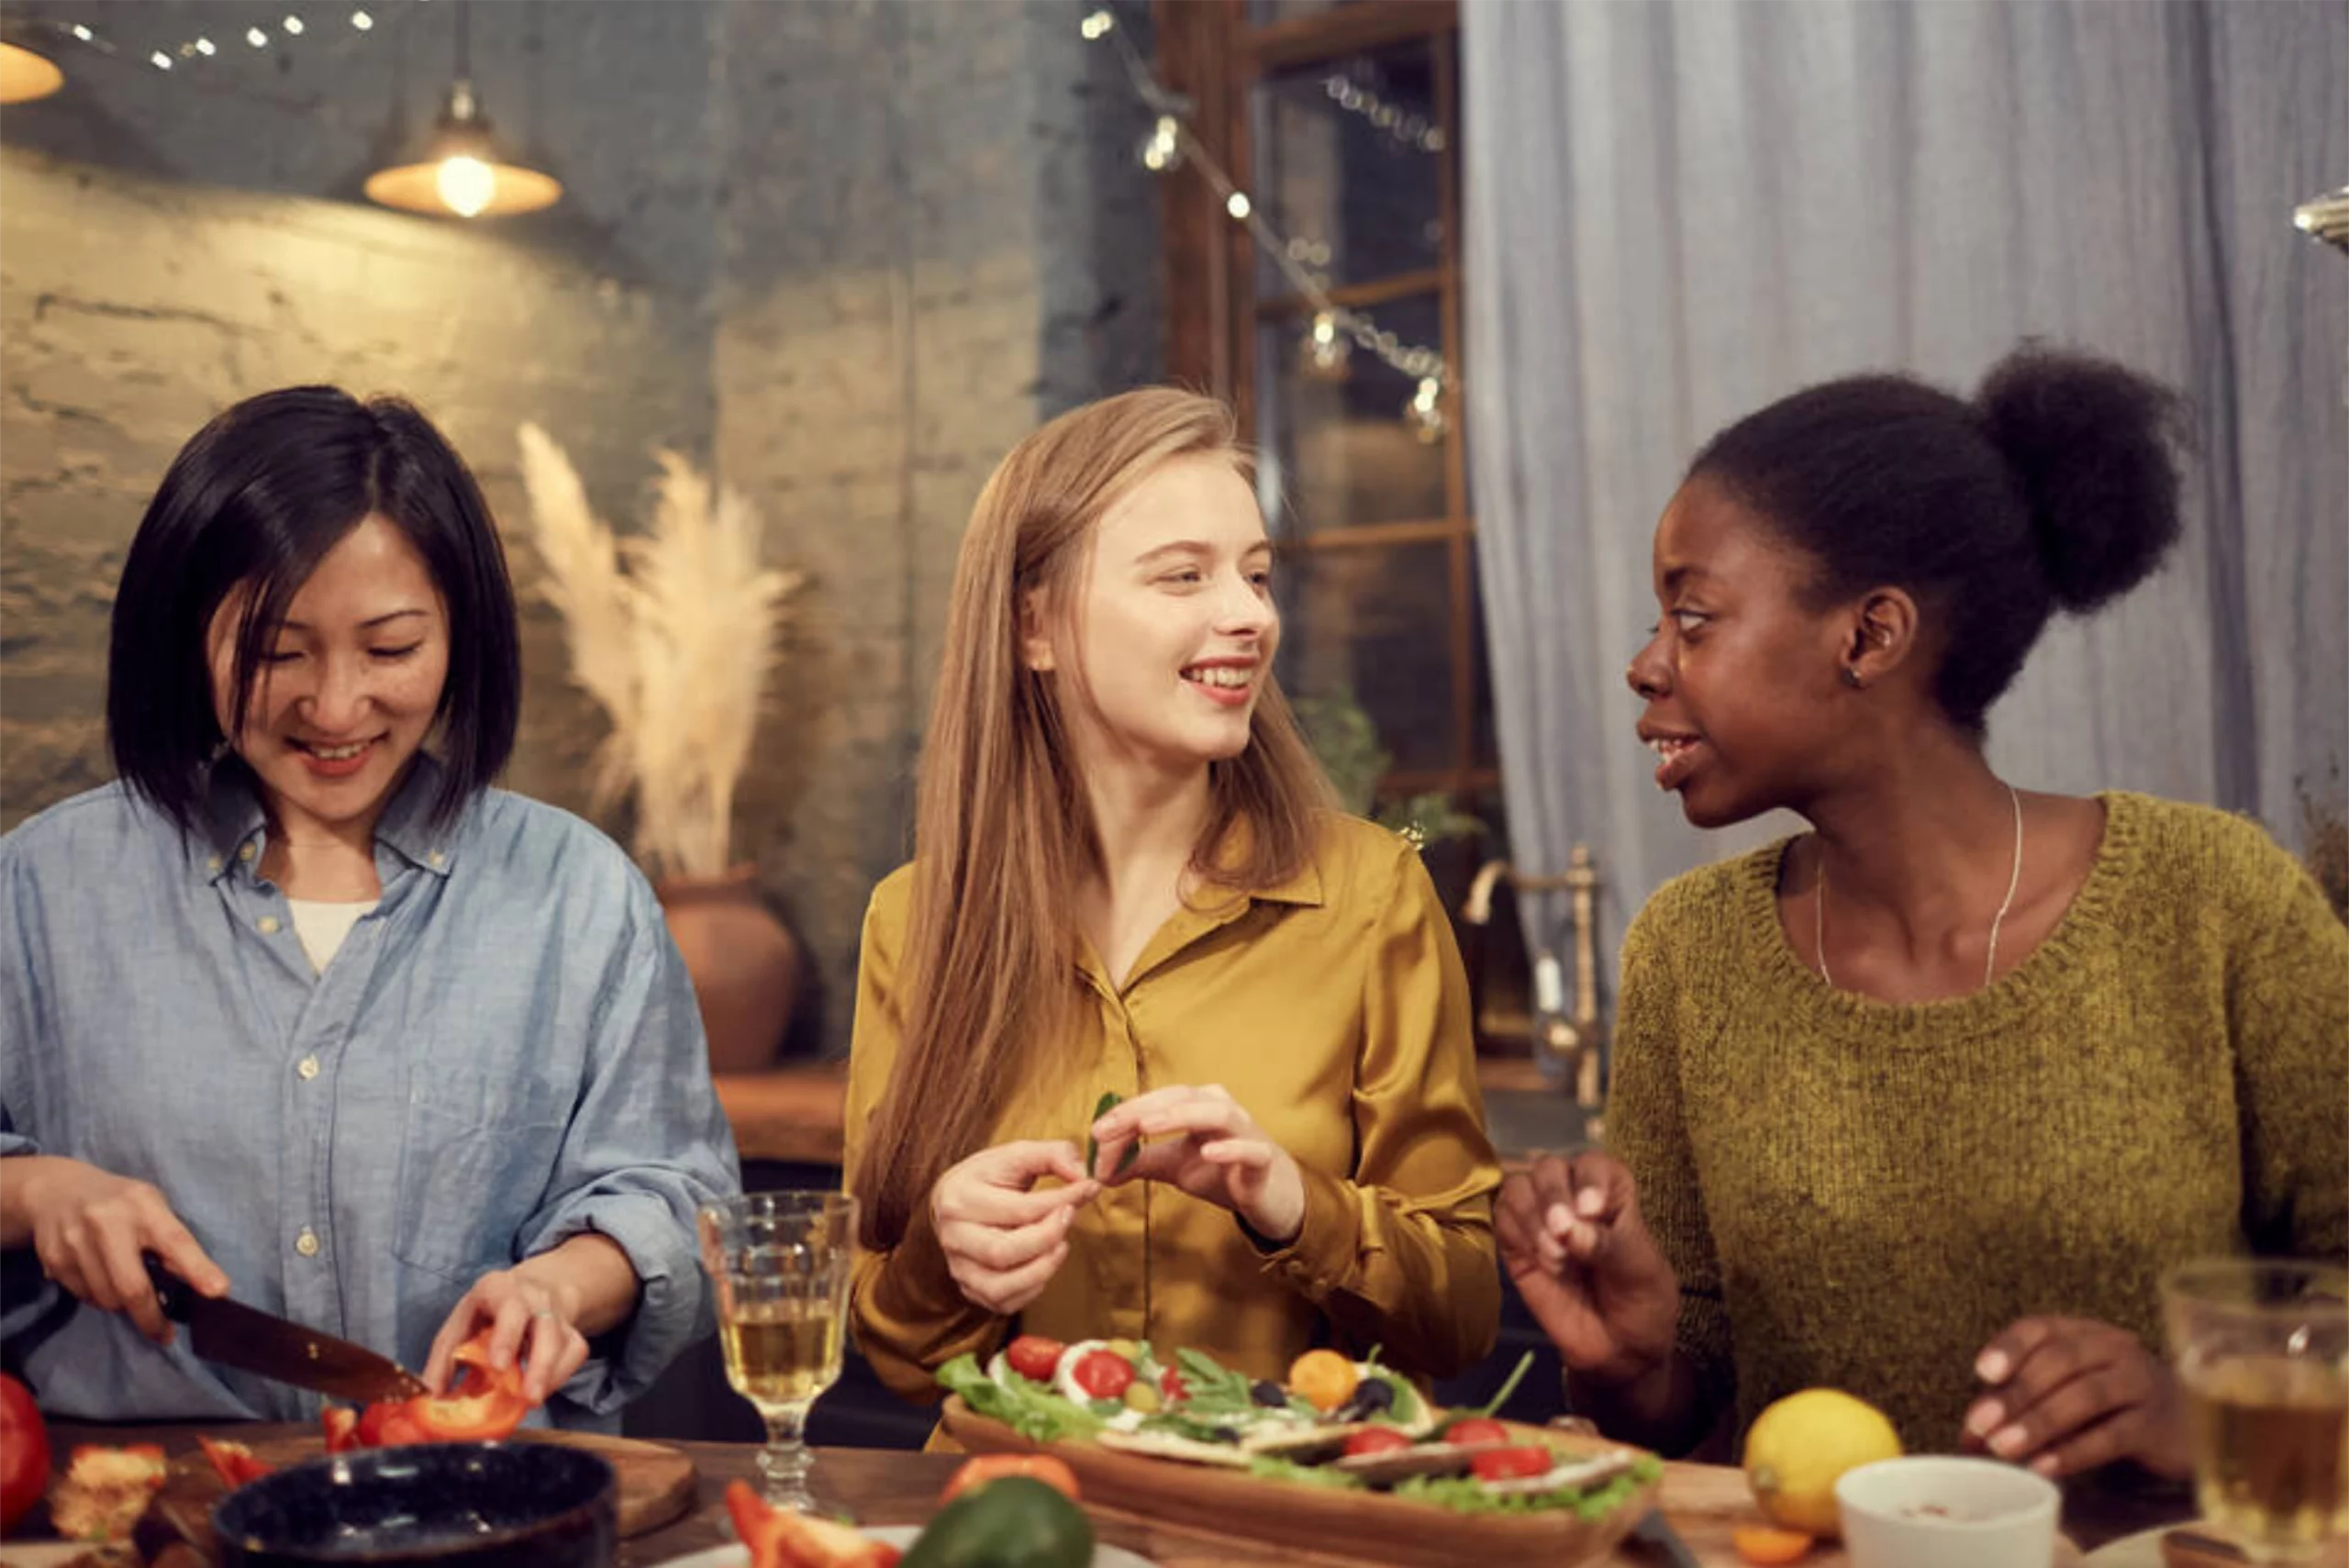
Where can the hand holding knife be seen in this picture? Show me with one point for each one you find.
(253, 1341)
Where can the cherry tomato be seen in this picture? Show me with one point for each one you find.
(1103, 1374)
(987, 1467)
(1511, 1463)
(1476, 1430)
(1171, 1386)
(24, 1452)
(1033, 1356)
(1376, 1440)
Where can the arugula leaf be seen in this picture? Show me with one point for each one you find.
(1031, 1409)
(1524, 1362)
(1269, 1468)
(1465, 1495)
(1212, 1387)
(1103, 1106)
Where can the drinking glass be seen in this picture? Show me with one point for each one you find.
(780, 1262)
(2262, 1352)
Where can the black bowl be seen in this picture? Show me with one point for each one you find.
(525, 1504)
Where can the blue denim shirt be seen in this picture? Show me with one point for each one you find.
(503, 1053)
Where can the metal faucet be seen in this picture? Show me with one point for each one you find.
(1571, 1041)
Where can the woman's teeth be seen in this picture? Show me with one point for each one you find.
(1669, 747)
(1217, 675)
(335, 753)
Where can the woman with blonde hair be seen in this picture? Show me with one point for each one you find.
(1128, 879)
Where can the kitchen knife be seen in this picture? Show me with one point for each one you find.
(253, 1341)
(1653, 1533)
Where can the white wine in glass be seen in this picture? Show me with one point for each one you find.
(2263, 1354)
(780, 1264)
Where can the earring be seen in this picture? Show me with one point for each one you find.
(1851, 678)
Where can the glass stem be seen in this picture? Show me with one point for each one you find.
(785, 1461)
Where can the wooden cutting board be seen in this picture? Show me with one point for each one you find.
(656, 1481)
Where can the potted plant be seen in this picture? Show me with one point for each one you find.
(673, 633)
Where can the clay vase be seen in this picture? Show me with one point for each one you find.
(745, 965)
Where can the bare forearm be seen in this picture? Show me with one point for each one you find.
(591, 1277)
(1665, 1408)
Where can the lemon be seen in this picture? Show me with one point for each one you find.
(1798, 1447)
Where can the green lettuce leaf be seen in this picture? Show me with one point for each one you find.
(1031, 1409)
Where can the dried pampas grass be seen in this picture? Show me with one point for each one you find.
(674, 634)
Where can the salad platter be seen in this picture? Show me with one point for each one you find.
(1343, 1457)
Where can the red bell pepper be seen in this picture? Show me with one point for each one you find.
(235, 1462)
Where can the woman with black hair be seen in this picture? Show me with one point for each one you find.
(1921, 1104)
(303, 1007)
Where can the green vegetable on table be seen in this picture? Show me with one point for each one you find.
(1015, 1522)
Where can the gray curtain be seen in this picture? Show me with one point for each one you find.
(1678, 211)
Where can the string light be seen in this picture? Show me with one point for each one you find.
(1326, 348)
(256, 37)
(1410, 129)
(1422, 365)
(1163, 150)
(361, 21)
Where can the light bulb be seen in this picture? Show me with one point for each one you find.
(1238, 205)
(465, 183)
(1425, 411)
(1164, 149)
(1326, 348)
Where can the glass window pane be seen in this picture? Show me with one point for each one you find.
(1338, 440)
(1347, 160)
(1374, 624)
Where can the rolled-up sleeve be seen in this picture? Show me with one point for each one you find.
(646, 1147)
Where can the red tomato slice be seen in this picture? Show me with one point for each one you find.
(1103, 1374)
(1511, 1463)
(1172, 1387)
(234, 1462)
(1034, 1357)
(1377, 1439)
(1476, 1430)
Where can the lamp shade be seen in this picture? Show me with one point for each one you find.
(463, 168)
(25, 76)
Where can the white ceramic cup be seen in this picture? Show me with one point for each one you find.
(1939, 1511)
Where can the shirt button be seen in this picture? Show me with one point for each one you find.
(268, 925)
(212, 863)
(436, 858)
(306, 1243)
(308, 1067)
(245, 854)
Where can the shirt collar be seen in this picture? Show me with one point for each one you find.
(1303, 888)
(230, 820)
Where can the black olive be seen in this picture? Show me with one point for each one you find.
(1371, 1394)
(1269, 1394)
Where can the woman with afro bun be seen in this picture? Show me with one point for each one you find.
(1921, 1104)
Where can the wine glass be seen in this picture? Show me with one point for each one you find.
(780, 1262)
(2263, 1353)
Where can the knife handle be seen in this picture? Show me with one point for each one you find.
(172, 1294)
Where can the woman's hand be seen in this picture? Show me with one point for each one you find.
(541, 1312)
(1003, 1240)
(91, 1229)
(1211, 1148)
(2068, 1393)
(1571, 1237)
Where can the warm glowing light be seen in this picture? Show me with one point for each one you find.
(163, 62)
(1238, 205)
(25, 76)
(294, 27)
(465, 183)
(1098, 24)
(361, 21)
(256, 37)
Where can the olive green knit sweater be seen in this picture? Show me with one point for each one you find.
(1859, 1195)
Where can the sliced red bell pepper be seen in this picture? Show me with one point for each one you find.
(483, 1401)
(340, 1424)
(235, 1462)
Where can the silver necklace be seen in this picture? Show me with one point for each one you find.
(1989, 961)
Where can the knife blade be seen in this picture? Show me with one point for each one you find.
(253, 1341)
(1656, 1534)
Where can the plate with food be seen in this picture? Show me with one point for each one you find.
(1342, 1455)
(994, 1516)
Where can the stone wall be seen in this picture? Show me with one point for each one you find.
(846, 251)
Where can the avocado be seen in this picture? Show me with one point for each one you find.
(1016, 1522)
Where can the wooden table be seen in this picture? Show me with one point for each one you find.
(886, 1486)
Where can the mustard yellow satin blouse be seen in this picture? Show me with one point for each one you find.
(1334, 1007)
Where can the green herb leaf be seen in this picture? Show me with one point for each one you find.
(1031, 1409)
(1524, 1363)
(1107, 1103)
